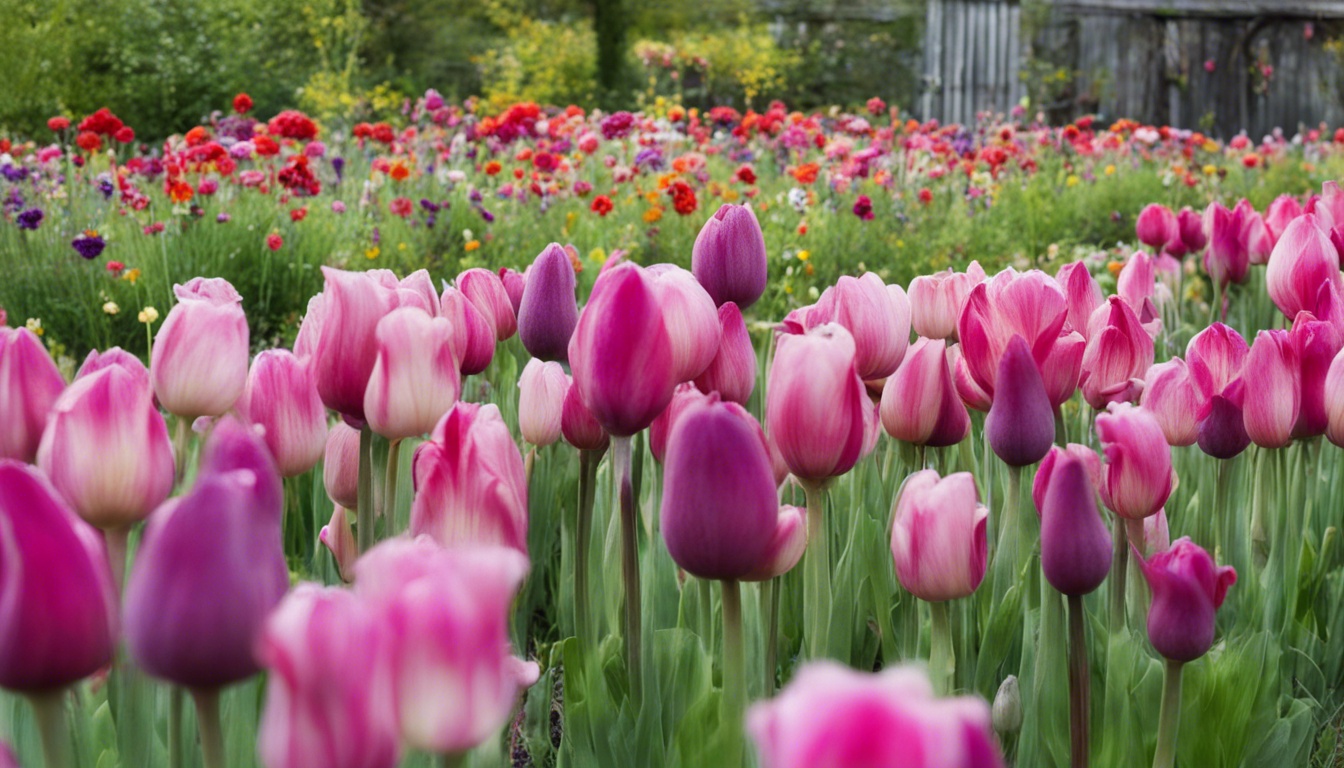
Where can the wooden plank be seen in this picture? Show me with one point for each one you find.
(1320, 9)
(1014, 54)
(933, 59)
(992, 64)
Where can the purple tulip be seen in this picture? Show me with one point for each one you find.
(1187, 589)
(1075, 545)
(548, 312)
(1021, 423)
(732, 374)
(29, 386)
(729, 257)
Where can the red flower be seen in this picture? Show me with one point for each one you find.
(89, 141)
(383, 133)
(58, 123)
(683, 198)
(363, 130)
(197, 136)
(298, 214)
(863, 208)
(493, 167)
(544, 162)
(242, 103)
(876, 106)
(115, 267)
(925, 195)
(266, 146)
(746, 174)
(126, 135)
(274, 241)
(102, 122)
(293, 124)
(602, 205)
(400, 206)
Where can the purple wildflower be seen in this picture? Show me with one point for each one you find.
(30, 219)
(89, 245)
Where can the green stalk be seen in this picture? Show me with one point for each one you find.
(118, 541)
(734, 669)
(1007, 558)
(942, 659)
(207, 721)
(770, 620)
(175, 702)
(452, 761)
(629, 564)
(588, 461)
(181, 441)
(1080, 684)
(529, 461)
(390, 484)
(1119, 566)
(1259, 539)
(817, 587)
(365, 511)
(1169, 720)
(49, 712)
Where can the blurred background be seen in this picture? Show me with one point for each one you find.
(1216, 65)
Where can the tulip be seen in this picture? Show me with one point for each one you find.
(548, 312)
(1029, 304)
(340, 465)
(541, 401)
(415, 377)
(1119, 352)
(310, 328)
(831, 715)
(339, 539)
(1222, 433)
(690, 317)
(282, 398)
(815, 403)
(1007, 707)
(732, 374)
(445, 614)
(1280, 214)
(7, 758)
(1075, 545)
(29, 386)
(1063, 367)
(487, 292)
(1088, 457)
(106, 449)
(1303, 261)
(1136, 286)
(936, 300)
(1228, 256)
(232, 445)
(622, 355)
(470, 487)
(1254, 234)
(1138, 474)
(1215, 357)
(970, 393)
(729, 257)
(515, 285)
(1157, 226)
(578, 426)
(328, 696)
(876, 315)
(939, 540)
(1187, 589)
(475, 334)
(116, 356)
(661, 428)
(1328, 206)
(1021, 424)
(57, 606)
(1082, 293)
(1315, 344)
(1156, 534)
(417, 290)
(920, 403)
(347, 343)
(200, 356)
(786, 547)
(1191, 224)
(1272, 390)
(1169, 394)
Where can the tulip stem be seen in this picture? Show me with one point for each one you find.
(118, 541)
(1080, 684)
(529, 461)
(452, 761)
(181, 436)
(629, 564)
(1119, 567)
(1169, 720)
(1007, 563)
(207, 721)
(817, 588)
(175, 701)
(390, 484)
(49, 712)
(583, 531)
(770, 620)
(942, 659)
(365, 511)
(734, 669)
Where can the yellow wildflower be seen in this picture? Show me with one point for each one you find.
(372, 253)
(148, 315)
(804, 255)
(1072, 180)
(35, 326)
(598, 255)
(131, 275)
(1210, 169)
(1110, 169)
(111, 308)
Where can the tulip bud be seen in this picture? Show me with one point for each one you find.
(936, 300)
(30, 384)
(1007, 710)
(282, 398)
(415, 378)
(445, 614)
(1254, 234)
(920, 403)
(970, 392)
(1315, 344)
(57, 605)
(417, 290)
(1136, 286)
(199, 361)
(1271, 390)
(1187, 590)
(1334, 400)
(106, 449)
(340, 465)
(1119, 352)
(1170, 395)
(815, 403)
(787, 545)
(578, 426)
(1192, 230)
(1075, 545)
(487, 292)
(118, 357)
(1228, 257)
(1021, 423)
(1280, 214)
(548, 312)
(339, 539)
(623, 358)
(1082, 293)
(470, 486)
(729, 257)
(877, 318)
(732, 374)
(690, 318)
(515, 285)
(939, 540)
(1138, 473)
(541, 400)
(661, 428)
(328, 695)
(347, 343)
(1301, 263)
(1091, 462)
(831, 715)
(1157, 226)
(475, 342)
(1222, 433)
(1030, 305)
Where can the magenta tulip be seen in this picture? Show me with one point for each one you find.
(340, 466)
(1333, 398)
(29, 386)
(1082, 294)
(233, 445)
(815, 403)
(470, 487)
(1157, 226)
(729, 257)
(691, 320)
(328, 695)
(1192, 230)
(920, 403)
(733, 372)
(1280, 214)
(200, 356)
(1271, 390)
(339, 539)
(578, 426)
(1138, 475)
(1302, 263)
(541, 401)
(515, 284)
(938, 540)
(1136, 286)
(970, 393)
(58, 615)
(1187, 590)
(661, 428)
(1021, 423)
(1215, 357)
(1119, 353)
(1328, 206)
(1169, 394)
(487, 292)
(787, 545)
(415, 377)
(1044, 473)
(1028, 304)
(1228, 257)
(1075, 545)
(347, 342)
(1254, 234)
(282, 398)
(475, 343)
(1315, 344)
(936, 300)
(548, 312)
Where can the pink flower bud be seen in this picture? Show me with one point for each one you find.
(470, 487)
(116, 356)
(578, 426)
(1157, 226)
(1315, 344)
(346, 346)
(938, 540)
(1271, 390)
(1334, 400)
(1082, 294)
(282, 398)
(1170, 396)
(1075, 545)
(200, 356)
(732, 374)
(815, 403)
(1259, 243)
(541, 401)
(1192, 230)
(1119, 352)
(1021, 423)
(57, 606)
(487, 292)
(339, 539)
(415, 379)
(1228, 257)
(515, 284)
(1302, 262)
(475, 342)
(1028, 304)
(1187, 589)
(936, 300)
(729, 257)
(690, 317)
(920, 403)
(548, 312)
(1280, 214)
(1138, 474)
(29, 386)
(1089, 458)
(787, 545)
(340, 465)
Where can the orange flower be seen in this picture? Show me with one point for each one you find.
(493, 167)
(399, 172)
(180, 191)
(805, 173)
(653, 215)
(472, 245)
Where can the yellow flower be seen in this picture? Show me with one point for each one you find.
(652, 197)
(472, 245)
(653, 214)
(111, 308)
(148, 315)
(1210, 170)
(372, 253)
(1072, 180)
(804, 255)
(402, 246)
(598, 255)
(1110, 169)
(730, 195)
(131, 275)
(1210, 145)
(34, 325)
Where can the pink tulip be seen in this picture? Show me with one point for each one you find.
(578, 426)
(1157, 226)
(487, 292)
(1192, 230)
(729, 257)
(328, 696)
(475, 334)
(1215, 357)
(415, 378)
(1302, 263)
(691, 319)
(515, 284)
(58, 615)
(7, 758)
(1082, 294)
(470, 487)
(417, 290)
(541, 401)
(1045, 472)
(623, 358)
(1315, 344)
(1136, 286)
(1280, 214)
(339, 539)
(876, 315)
(200, 356)
(282, 398)
(340, 466)
(116, 356)
(831, 715)
(936, 300)
(1021, 423)
(1254, 233)
(1228, 256)
(970, 393)
(106, 449)
(1169, 394)
(347, 344)
(548, 312)
(1156, 534)
(815, 403)
(1272, 390)
(920, 403)
(1119, 352)
(732, 374)
(1328, 207)
(29, 386)
(1029, 304)
(1063, 368)
(661, 428)
(1075, 545)
(446, 618)
(310, 329)
(1187, 590)
(1138, 474)
(786, 547)
(1333, 397)
(938, 540)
